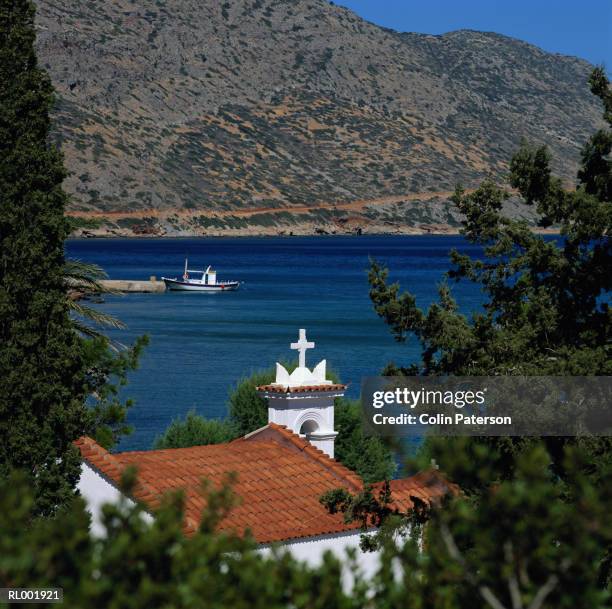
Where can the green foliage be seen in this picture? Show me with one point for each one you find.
(195, 430)
(546, 312)
(546, 308)
(366, 455)
(84, 280)
(372, 509)
(76, 223)
(521, 546)
(139, 564)
(547, 302)
(596, 172)
(107, 362)
(526, 541)
(107, 371)
(248, 411)
(42, 369)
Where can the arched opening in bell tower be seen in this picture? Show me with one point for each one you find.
(308, 427)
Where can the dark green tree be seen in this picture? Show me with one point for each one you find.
(138, 564)
(596, 171)
(524, 543)
(42, 371)
(546, 312)
(247, 410)
(195, 430)
(107, 371)
(367, 455)
(546, 308)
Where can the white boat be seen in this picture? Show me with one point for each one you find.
(207, 282)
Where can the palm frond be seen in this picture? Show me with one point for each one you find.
(85, 330)
(86, 277)
(94, 315)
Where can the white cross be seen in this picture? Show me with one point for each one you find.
(301, 346)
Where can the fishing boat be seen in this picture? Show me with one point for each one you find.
(207, 283)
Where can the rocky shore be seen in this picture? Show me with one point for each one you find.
(263, 231)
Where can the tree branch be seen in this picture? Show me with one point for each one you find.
(515, 593)
(453, 550)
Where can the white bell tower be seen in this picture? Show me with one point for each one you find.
(303, 401)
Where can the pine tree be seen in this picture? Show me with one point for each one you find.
(546, 301)
(42, 380)
(546, 309)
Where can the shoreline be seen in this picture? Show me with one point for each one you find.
(428, 213)
(412, 232)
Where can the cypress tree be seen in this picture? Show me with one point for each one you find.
(42, 374)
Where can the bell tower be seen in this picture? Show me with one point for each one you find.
(303, 401)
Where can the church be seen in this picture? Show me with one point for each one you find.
(281, 472)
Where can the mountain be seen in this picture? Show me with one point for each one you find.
(267, 116)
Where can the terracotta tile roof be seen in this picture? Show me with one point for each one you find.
(280, 478)
(111, 467)
(430, 486)
(301, 389)
(279, 433)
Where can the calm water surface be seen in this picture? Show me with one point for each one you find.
(201, 344)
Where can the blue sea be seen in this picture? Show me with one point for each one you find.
(202, 344)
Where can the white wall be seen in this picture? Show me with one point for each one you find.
(311, 550)
(97, 491)
(293, 410)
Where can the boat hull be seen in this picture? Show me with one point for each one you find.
(184, 286)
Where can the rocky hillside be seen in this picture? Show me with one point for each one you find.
(205, 116)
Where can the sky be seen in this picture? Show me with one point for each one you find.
(572, 27)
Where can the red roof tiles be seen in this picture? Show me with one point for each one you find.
(280, 478)
(301, 389)
(429, 486)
